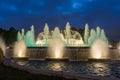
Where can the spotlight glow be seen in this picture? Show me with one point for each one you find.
(56, 50)
(20, 54)
(57, 54)
(20, 49)
(98, 55)
(56, 66)
(99, 50)
(118, 47)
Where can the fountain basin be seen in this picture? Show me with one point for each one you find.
(57, 59)
(21, 58)
(71, 53)
(102, 59)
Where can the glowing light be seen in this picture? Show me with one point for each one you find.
(2, 46)
(56, 66)
(99, 50)
(119, 47)
(100, 69)
(20, 54)
(57, 54)
(39, 42)
(56, 49)
(96, 52)
(20, 49)
(98, 55)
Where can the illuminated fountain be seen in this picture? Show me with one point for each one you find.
(3, 46)
(56, 51)
(20, 50)
(118, 51)
(99, 50)
(67, 44)
(58, 44)
(2, 50)
(118, 47)
(71, 38)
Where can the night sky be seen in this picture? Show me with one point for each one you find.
(24, 13)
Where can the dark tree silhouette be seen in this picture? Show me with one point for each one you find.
(10, 36)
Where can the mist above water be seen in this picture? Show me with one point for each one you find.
(56, 48)
(3, 46)
(118, 48)
(20, 49)
(99, 50)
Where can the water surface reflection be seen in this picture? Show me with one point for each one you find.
(111, 69)
(56, 66)
(100, 69)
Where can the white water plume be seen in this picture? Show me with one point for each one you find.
(99, 50)
(56, 49)
(3, 46)
(20, 49)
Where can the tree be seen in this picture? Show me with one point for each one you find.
(10, 36)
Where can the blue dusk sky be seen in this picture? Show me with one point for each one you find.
(24, 13)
